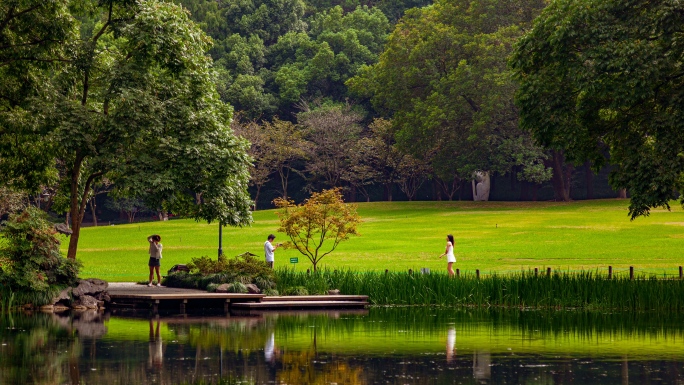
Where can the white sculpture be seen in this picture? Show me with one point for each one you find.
(481, 185)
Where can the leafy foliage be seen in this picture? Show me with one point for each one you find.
(444, 80)
(603, 79)
(323, 217)
(32, 260)
(33, 36)
(134, 101)
(206, 273)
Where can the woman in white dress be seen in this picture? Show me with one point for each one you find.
(449, 252)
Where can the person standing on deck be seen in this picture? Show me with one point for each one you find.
(155, 257)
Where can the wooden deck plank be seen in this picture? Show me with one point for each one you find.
(299, 304)
(355, 298)
(181, 296)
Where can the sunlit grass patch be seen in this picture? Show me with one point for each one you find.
(490, 236)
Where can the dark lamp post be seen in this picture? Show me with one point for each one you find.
(220, 249)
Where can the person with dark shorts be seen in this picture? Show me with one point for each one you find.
(155, 257)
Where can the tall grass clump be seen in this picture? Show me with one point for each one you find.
(583, 290)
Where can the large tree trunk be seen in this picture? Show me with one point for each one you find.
(388, 192)
(589, 180)
(93, 207)
(561, 186)
(622, 194)
(256, 197)
(284, 173)
(78, 204)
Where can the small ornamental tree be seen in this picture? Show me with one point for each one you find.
(322, 219)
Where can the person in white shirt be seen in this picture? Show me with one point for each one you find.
(269, 248)
(155, 257)
(449, 252)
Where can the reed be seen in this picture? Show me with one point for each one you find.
(6, 300)
(581, 290)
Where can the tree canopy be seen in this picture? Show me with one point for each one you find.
(603, 79)
(444, 79)
(134, 100)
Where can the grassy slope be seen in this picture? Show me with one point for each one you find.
(490, 236)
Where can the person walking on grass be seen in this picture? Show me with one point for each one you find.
(155, 257)
(449, 252)
(269, 248)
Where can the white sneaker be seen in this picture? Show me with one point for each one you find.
(149, 284)
(159, 285)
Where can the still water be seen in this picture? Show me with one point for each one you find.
(377, 346)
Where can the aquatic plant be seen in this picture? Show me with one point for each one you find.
(583, 290)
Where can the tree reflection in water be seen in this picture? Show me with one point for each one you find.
(383, 345)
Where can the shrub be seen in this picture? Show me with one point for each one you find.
(31, 258)
(237, 287)
(212, 287)
(297, 290)
(205, 265)
(271, 292)
(182, 279)
(243, 269)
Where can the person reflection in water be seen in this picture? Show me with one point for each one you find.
(155, 346)
(270, 350)
(451, 345)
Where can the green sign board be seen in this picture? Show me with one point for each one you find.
(294, 260)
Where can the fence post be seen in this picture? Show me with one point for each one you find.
(477, 273)
(386, 271)
(681, 273)
(458, 272)
(548, 272)
(536, 271)
(610, 272)
(631, 273)
(410, 271)
(308, 271)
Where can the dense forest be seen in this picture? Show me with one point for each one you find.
(387, 99)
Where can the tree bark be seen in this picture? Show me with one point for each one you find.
(388, 192)
(256, 198)
(93, 207)
(74, 208)
(622, 193)
(560, 188)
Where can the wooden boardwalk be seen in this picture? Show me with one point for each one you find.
(132, 296)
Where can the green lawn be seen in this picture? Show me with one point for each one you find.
(490, 236)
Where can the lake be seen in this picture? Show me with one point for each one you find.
(393, 345)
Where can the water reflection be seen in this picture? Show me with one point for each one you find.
(384, 345)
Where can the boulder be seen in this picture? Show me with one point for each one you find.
(78, 307)
(64, 296)
(59, 308)
(88, 301)
(47, 308)
(334, 292)
(62, 228)
(252, 289)
(223, 288)
(103, 297)
(90, 286)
